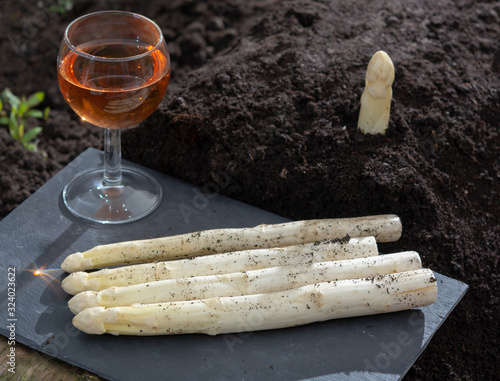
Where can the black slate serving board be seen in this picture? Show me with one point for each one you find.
(41, 233)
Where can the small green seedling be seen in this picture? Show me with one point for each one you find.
(62, 6)
(20, 110)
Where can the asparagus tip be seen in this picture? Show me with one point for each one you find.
(376, 98)
(75, 282)
(76, 262)
(84, 300)
(91, 321)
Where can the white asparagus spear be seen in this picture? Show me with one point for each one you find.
(220, 264)
(260, 281)
(307, 304)
(376, 99)
(385, 228)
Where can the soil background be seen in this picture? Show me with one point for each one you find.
(262, 106)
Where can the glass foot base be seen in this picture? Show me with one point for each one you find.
(87, 197)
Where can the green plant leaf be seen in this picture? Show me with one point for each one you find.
(35, 99)
(29, 135)
(11, 98)
(4, 120)
(30, 146)
(34, 113)
(23, 106)
(1, 105)
(46, 113)
(13, 127)
(20, 131)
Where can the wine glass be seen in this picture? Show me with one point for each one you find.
(113, 69)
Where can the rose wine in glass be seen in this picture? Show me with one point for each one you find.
(113, 70)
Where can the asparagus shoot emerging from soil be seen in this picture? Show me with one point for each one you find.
(376, 98)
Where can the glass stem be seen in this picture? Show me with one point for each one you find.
(112, 157)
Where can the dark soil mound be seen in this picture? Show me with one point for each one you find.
(263, 107)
